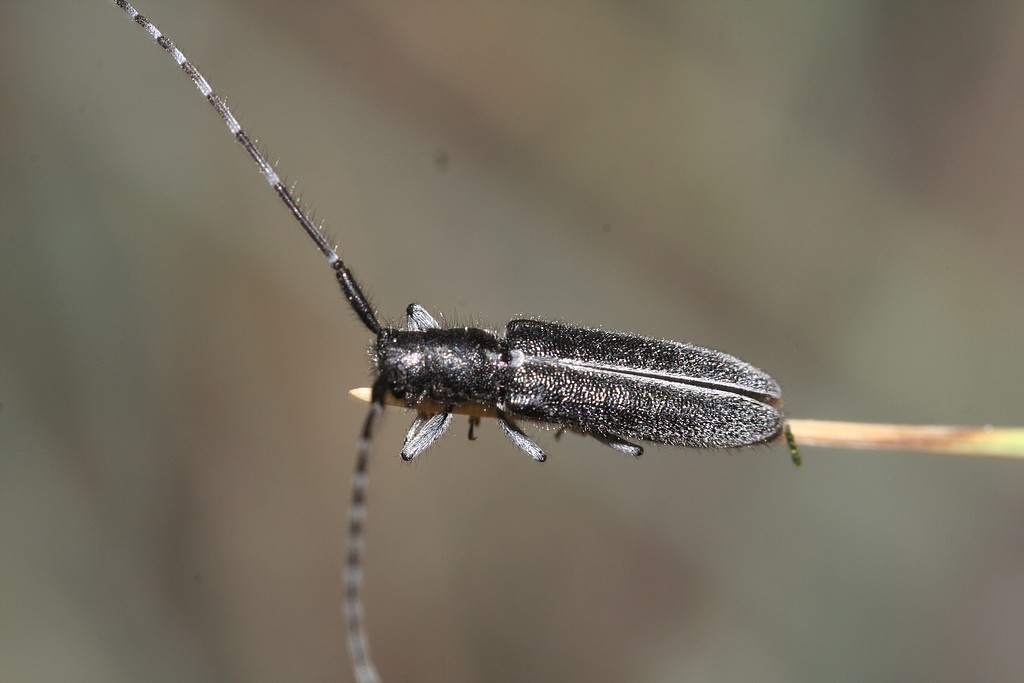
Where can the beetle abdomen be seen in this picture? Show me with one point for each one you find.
(634, 354)
(634, 387)
(631, 407)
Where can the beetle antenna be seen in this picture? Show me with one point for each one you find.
(349, 287)
(358, 641)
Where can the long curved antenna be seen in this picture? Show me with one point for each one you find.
(358, 642)
(349, 286)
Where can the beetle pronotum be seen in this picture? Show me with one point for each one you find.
(612, 386)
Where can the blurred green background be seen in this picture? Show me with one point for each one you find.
(830, 190)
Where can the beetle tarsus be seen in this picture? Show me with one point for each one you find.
(424, 433)
(620, 445)
(794, 451)
(521, 440)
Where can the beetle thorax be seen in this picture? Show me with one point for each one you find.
(450, 366)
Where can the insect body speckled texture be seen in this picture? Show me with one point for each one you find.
(608, 385)
(615, 387)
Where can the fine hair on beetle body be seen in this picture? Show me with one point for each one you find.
(615, 387)
(609, 385)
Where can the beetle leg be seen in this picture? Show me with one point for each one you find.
(413, 429)
(418, 319)
(794, 452)
(516, 436)
(424, 433)
(619, 444)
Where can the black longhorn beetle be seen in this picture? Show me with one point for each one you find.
(611, 386)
